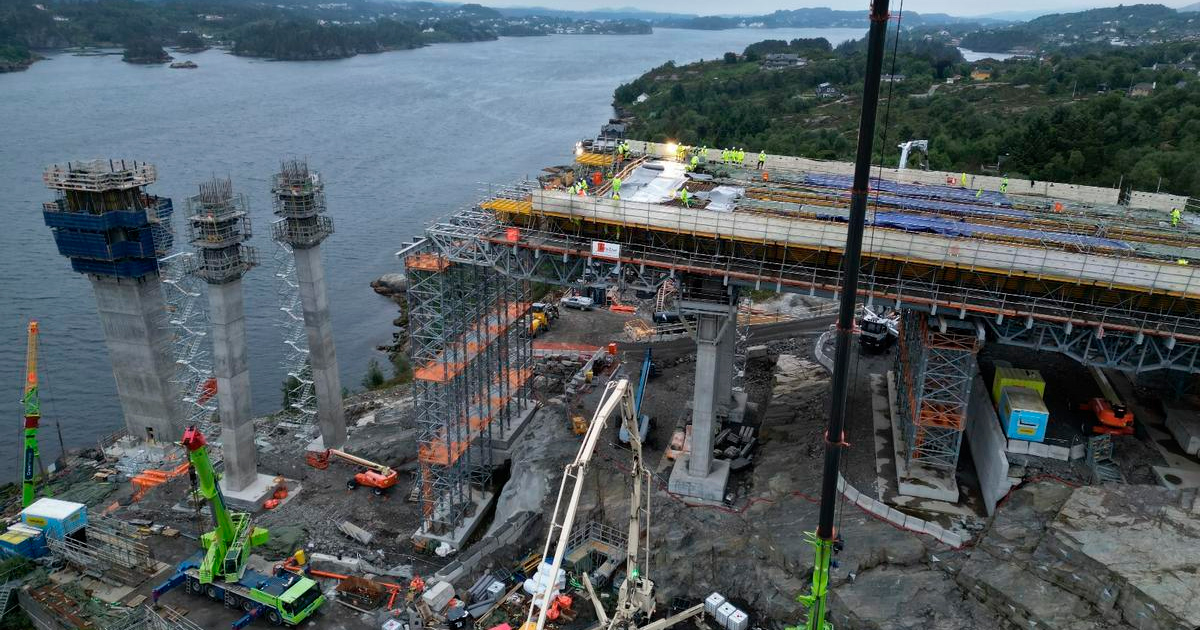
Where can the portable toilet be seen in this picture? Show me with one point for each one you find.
(57, 518)
(1006, 376)
(1023, 414)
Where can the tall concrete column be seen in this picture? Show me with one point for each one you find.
(218, 224)
(322, 355)
(704, 395)
(299, 196)
(112, 230)
(726, 352)
(139, 347)
(232, 372)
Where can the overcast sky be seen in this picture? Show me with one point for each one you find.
(710, 7)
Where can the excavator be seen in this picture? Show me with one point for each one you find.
(219, 569)
(33, 415)
(635, 596)
(373, 475)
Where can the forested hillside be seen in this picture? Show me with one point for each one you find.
(1068, 118)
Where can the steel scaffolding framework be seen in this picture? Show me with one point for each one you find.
(187, 318)
(472, 367)
(935, 366)
(301, 398)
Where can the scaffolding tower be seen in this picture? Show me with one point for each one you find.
(472, 366)
(301, 400)
(935, 367)
(187, 319)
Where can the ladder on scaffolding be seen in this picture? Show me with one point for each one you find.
(666, 291)
(1100, 461)
(8, 598)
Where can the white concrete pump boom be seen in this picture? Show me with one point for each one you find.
(617, 393)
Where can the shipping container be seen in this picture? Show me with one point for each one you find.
(1006, 376)
(1023, 414)
(22, 540)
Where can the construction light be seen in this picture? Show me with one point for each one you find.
(578, 148)
(672, 147)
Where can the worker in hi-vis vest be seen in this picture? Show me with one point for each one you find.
(1176, 217)
(684, 197)
(616, 187)
(762, 159)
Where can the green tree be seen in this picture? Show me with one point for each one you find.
(374, 378)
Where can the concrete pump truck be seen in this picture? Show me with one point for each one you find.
(219, 569)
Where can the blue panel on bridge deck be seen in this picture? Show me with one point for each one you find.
(950, 227)
(943, 193)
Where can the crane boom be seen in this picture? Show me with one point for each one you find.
(228, 545)
(355, 459)
(33, 414)
(616, 394)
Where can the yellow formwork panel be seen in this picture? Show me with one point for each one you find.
(1006, 376)
(523, 206)
(594, 159)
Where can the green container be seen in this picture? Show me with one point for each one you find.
(1006, 376)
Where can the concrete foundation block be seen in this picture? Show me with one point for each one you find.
(708, 489)
(251, 497)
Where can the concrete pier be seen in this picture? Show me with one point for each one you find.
(321, 353)
(139, 348)
(697, 474)
(112, 230)
(232, 372)
(218, 224)
(299, 197)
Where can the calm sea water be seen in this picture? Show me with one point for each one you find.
(400, 138)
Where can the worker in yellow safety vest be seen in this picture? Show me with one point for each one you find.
(963, 180)
(583, 188)
(724, 156)
(616, 187)
(742, 157)
(680, 152)
(1176, 217)
(1004, 184)
(694, 163)
(684, 197)
(979, 193)
(762, 159)
(704, 153)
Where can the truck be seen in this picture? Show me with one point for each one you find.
(219, 569)
(543, 314)
(877, 332)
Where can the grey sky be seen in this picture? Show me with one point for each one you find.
(709, 7)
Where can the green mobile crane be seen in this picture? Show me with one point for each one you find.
(219, 571)
(33, 415)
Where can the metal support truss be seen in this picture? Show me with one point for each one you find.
(935, 366)
(1093, 345)
(472, 366)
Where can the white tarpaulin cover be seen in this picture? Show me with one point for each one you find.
(722, 198)
(654, 182)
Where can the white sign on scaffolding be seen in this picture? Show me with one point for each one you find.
(601, 249)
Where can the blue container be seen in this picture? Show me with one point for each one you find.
(22, 540)
(58, 519)
(1023, 413)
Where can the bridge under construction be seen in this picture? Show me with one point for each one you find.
(967, 261)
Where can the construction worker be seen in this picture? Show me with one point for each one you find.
(1176, 217)
(680, 152)
(741, 157)
(694, 163)
(685, 197)
(704, 153)
(724, 156)
(616, 187)
(979, 193)
(762, 159)
(963, 180)
(1004, 185)
(583, 188)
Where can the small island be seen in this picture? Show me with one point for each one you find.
(189, 65)
(145, 51)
